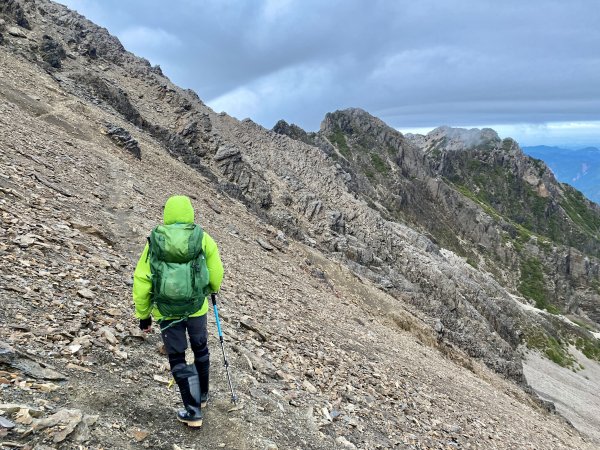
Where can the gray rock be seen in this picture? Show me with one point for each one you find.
(52, 52)
(5, 423)
(264, 244)
(13, 358)
(345, 443)
(226, 153)
(124, 139)
(86, 293)
(16, 32)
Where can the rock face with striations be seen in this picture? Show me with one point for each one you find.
(481, 197)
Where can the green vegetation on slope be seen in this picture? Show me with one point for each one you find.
(576, 207)
(532, 285)
(338, 139)
(495, 184)
(589, 347)
(554, 349)
(379, 164)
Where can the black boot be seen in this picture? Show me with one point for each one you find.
(202, 368)
(189, 387)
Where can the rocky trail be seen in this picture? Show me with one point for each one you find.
(321, 357)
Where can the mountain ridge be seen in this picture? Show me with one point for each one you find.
(578, 167)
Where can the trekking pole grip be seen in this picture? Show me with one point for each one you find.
(213, 298)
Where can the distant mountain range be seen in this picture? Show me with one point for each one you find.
(579, 168)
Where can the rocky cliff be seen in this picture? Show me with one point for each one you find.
(480, 196)
(352, 323)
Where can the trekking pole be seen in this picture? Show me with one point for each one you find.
(225, 362)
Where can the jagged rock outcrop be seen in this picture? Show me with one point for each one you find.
(460, 187)
(540, 217)
(294, 131)
(124, 139)
(13, 10)
(52, 52)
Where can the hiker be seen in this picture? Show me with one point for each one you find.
(179, 267)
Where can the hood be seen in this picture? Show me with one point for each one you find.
(178, 209)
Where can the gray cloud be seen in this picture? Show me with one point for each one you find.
(411, 63)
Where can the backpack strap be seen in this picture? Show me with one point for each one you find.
(149, 247)
(173, 322)
(195, 242)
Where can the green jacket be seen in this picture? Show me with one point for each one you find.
(178, 209)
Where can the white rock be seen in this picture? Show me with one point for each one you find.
(16, 32)
(74, 348)
(326, 414)
(120, 354)
(309, 387)
(109, 335)
(345, 442)
(86, 293)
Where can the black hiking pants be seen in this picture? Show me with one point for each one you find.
(176, 336)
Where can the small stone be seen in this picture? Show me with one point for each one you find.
(265, 245)
(76, 367)
(139, 435)
(252, 325)
(237, 407)
(285, 376)
(452, 428)
(108, 334)
(86, 293)
(120, 354)
(23, 417)
(270, 445)
(5, 423)
(309, 387)
(257, 393)
(14, 407)
(16, 32)
(114, 312)
(345, 442)
(45, 387)
(74, 348)
(212, 205)
(25, 241)
(99, 262)
(326, 414)
(161, 379)
(83, 341)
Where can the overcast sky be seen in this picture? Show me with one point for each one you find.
(528, 68)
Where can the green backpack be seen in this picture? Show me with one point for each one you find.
(180, 279)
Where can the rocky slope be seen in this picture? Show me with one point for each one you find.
(578, 167)
(346, 328)
(502, 211)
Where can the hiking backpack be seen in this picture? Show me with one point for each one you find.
(180, 279)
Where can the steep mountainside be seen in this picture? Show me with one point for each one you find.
(580, 168)
(481, 197)
(545, 223)
(348, 326)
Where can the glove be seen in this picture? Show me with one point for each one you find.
(145, 324)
